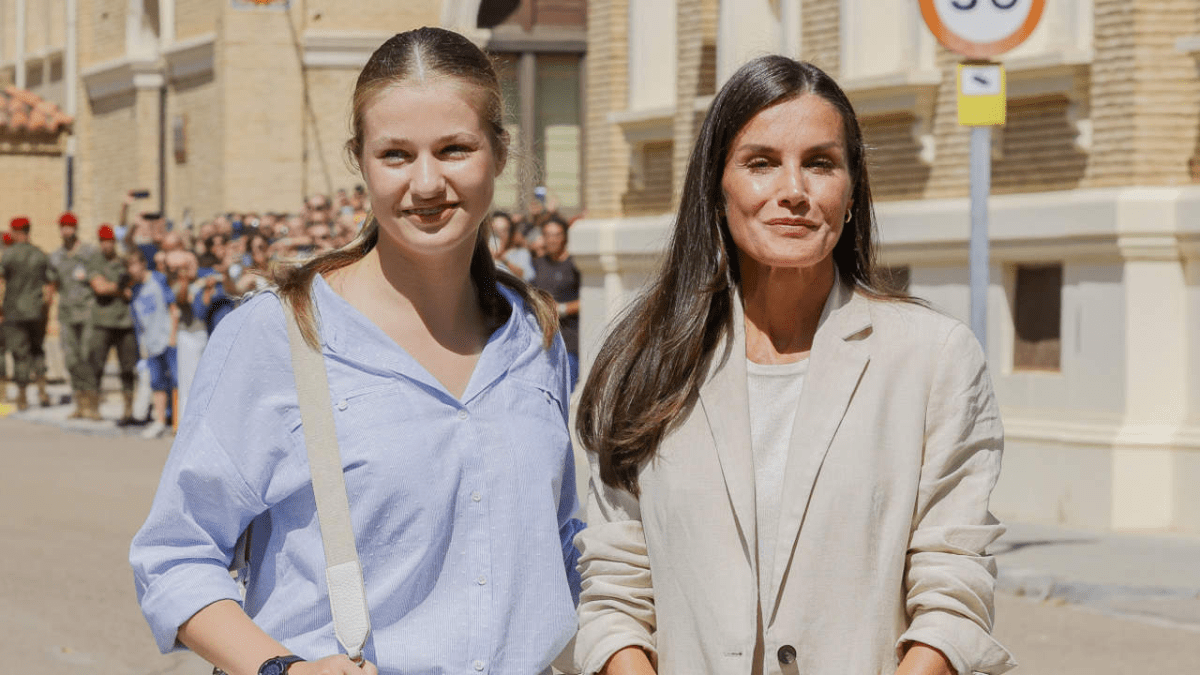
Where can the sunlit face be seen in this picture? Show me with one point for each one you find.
(321, 236)
(429, 167)
(786, 185)
(258, 250)
(67, 232)
(554, 238)
(136, 266)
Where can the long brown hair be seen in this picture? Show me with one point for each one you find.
(649, 371)
(416, 55)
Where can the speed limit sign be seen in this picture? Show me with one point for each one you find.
(981, 29)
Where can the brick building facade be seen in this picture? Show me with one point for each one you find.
(237, 105)
(1094, 303)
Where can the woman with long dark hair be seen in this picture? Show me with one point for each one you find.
(790, 466)
(448, 383)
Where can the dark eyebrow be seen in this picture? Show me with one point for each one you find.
(756, 148)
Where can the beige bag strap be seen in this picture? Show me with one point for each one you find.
(347, 596)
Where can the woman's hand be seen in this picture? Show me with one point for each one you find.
(338, 664)
(921, 659)
(628, 661)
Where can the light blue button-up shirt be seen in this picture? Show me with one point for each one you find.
(462, 509)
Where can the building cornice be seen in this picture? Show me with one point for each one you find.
(541, 39)
(911, 93)
(611, 245)
(341, 49)
(1063, 73)
(120, 76)
(644, 126)
(1131, 224)
(191, 57)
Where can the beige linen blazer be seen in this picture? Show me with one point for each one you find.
(882, 532)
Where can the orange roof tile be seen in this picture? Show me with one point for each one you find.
(24, 111)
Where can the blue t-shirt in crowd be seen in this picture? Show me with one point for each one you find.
(218, 306)
(151, 313)
(148, 252)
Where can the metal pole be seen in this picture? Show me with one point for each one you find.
(981, 186)
(71, 96)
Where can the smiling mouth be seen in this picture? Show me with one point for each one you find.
(429, 211)
(793, 222)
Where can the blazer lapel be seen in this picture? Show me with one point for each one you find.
(836, 363)
(726, 406)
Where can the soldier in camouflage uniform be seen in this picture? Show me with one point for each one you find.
(24, 269)
(3, 349)
(112, 321)
(68, 273)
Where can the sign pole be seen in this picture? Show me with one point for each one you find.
(980, 30)
(980, 254)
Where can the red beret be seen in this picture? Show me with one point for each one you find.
(106, 232)
(67, 218)
(7, 239)
(19, 223)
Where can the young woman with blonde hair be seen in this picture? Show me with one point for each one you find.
(449, 384)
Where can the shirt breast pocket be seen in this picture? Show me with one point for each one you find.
(368, 420)
(535, 424)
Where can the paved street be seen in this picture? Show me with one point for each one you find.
(73, 500)
(72, 503)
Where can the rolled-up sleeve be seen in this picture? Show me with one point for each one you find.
(181, 555)
(951, 580)
(616, 604)
(218, 475)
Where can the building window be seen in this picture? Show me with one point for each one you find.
(557, 130)
(539, 47)
(1037, 317)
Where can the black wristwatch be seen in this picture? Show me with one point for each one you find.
(278, 665)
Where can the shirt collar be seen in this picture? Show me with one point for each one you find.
(350, 336)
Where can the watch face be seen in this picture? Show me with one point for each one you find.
(277, 665)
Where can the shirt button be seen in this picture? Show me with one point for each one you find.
(479, 665)
(462, 414)
(475, 497)
(481, 581)
(342, 405)
(547, 395)
(787, 655)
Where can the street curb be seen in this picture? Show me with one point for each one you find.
(56, 416)
(1041, 586)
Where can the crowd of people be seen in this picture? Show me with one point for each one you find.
(154, 292)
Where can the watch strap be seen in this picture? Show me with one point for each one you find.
(282, 664)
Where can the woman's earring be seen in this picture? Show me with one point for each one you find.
(849, 216)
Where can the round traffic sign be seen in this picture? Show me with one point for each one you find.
(981, 29)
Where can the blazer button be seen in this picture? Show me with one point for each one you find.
(787, 655)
